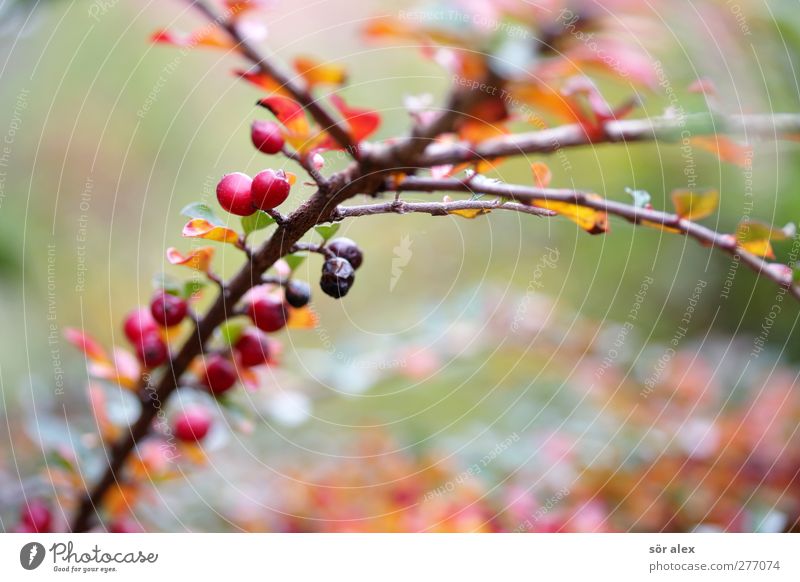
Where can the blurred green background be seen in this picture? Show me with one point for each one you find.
(109, 136)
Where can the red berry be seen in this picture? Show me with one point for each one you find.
(253, 348)
(35, 517)
(138, 324)
(220, 374)
(268, 313)
(191, 425)
(266, 136)
(233, 194)
(168, 309)
(270, 189)
(152, 351)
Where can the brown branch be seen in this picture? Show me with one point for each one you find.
(778, 126)
(327, 121)
(361, 177)
(308, 166)
(636, 215)
(368, 176)
(435, 208)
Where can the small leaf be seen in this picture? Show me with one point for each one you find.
(724, 148)
(262, 81)
(192, 287)
(200, 228)
(202, 211)
(315, 72)
(327, 231)
(591, 220)
(167, 283)
(470, 213)
(755, 236)
(302, 318)
(88, 345)
(362, 122)
(257, 221)
(205, 37)
(541, 174)
(641, 198)
(693, 205)
(294, 261)
(232, 329)
(198, 259)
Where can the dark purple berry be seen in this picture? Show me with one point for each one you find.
(337, 277)
(347, 249)
(298, 293)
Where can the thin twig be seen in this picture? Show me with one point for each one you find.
(328, 123)
(633, 214)
(436, 208)
(778, 126)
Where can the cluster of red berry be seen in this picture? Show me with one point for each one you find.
(147, 328)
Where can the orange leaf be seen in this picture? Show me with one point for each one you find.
(474, 131)
(205, 37)
(724, 148)
(200, 228)
(548, 99)
(198, 259)
(541, 174)
(384, 28)
(97, 401)
(238, 7)
(297, 130)
(591, 220)
(261, 81)
(120, 499)
(315, 72)
(302, 318)
(86, 344)
(362, 122)
(695, 205)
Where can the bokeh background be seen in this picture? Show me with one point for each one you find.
(458, 391)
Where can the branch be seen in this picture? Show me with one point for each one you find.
(308, 166)
(333, 127)
(778, 126)
(528, 194)
(435, 208)
(361, 177)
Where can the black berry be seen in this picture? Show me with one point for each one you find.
(298, 293)
(347, 249)
(337, 277)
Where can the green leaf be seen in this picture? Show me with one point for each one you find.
(192, 286)
(641, 198)
(294, 260)
(166, 282)
(231, 330)
(256, 221)
(327, 231)
(796, 274)
(204, 211)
